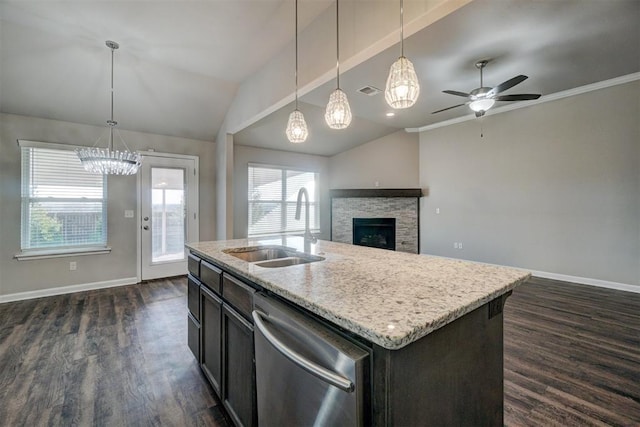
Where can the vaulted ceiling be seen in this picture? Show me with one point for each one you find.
(181, 64)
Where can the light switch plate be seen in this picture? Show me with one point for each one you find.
(128, 213)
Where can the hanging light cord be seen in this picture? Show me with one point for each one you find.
(296, 74)
(338, 43)
(111, 122)
(401, 28)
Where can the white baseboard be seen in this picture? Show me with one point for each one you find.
(562, 277)
(68, 289)
(587, 281)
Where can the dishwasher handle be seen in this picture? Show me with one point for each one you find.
(313, 368)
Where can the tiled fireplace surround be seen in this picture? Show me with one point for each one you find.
(401, 204)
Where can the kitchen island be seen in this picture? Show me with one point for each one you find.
(433, 325)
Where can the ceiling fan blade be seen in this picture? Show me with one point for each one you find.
(455, 92)
(507, 85)
(521, 97)
(449, 108)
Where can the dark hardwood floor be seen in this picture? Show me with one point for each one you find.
(119, 356)
(112, 357)
(572, 355)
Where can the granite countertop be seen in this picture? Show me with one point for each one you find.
(390, 298)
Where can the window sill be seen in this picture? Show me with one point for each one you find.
(58, 253)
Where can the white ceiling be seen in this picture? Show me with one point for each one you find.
(181, 62)
(176, 72)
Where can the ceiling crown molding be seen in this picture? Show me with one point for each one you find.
(546, 98)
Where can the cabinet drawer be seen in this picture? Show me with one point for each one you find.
(193, 297)
(210, 275)
(193, 265)
(193, 336)
(238, 294)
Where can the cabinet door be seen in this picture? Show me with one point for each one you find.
(239, 389)
(193, 297)
(193, 336)
(210, 337)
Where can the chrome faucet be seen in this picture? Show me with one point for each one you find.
(308, 237)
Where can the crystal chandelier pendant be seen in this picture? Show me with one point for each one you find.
(107, 161)
(338, 113)
(297, 131)
(402, 88)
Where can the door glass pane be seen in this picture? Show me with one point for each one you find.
(168, 214)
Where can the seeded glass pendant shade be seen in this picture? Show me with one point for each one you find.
(338, 113)
(107, 161)
(402, 88)
(297, 130)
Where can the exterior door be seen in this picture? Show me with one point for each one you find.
(168, 213)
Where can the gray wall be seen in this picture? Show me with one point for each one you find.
(391, 161)
(243, 155)
(553, 187)
(22, 276)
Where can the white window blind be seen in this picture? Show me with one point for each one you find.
(273, 192)
(63, 206)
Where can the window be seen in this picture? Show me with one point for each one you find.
(273, 192)
(63, 206)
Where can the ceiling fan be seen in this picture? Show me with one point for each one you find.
(483, 98)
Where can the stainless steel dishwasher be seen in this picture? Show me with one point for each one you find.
(306, 374)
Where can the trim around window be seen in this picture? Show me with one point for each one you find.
(59, 253)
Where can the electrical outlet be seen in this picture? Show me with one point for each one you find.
(73, 266)
(459, 245)
(455, 245)
(437, 211)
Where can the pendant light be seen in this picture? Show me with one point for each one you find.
(402, 89)
(297, 131)
(338, 113)
(107, 161)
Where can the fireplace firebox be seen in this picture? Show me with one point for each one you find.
(375, 232)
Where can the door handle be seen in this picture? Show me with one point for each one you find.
(313, 368)
(146, 227)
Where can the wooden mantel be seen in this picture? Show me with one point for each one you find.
(376, 192)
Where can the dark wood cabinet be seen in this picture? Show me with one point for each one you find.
(193, 336)
(210, 337)
(239, 295)
(239, 390)
(193, 297)
(193, 317)
(193, 265)
(211, 276)
(220, 335)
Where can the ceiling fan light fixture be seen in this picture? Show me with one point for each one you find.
(297, 130)
(482, 104)
(107, 161)
(402, 89)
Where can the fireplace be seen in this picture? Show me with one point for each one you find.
(375, 232)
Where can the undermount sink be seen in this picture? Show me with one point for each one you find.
(284, 262)
(272, 256)
(259, 253)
